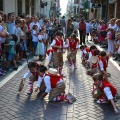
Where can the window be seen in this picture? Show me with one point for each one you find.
(19, 7)
(1, 5)
(26, 7)
(32, 7)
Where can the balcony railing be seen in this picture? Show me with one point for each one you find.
(97, 1)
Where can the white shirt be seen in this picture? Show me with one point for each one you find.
(83, 52)
(1, 28)
(40, 79)
(37, 23)
(35, 38)
(114, 27)
(101, 65)
(90, 55)
(40, 37)
(18, 32)
(41, 22)
(88, 27)
(27, 74)
(108, 93)
(49, 57)
(47, 83)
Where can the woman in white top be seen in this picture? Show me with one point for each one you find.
(112, 27)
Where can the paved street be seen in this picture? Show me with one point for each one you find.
(19, 106)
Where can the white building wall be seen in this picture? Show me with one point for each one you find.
(9, 6)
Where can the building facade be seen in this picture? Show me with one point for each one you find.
(114, 8)
(31, 7)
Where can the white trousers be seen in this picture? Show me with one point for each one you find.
(110, 46)
(64, 30)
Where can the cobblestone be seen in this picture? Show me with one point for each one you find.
(19, 106)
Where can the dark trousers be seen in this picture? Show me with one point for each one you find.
(82, 37)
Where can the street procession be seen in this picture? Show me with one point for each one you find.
(60, 60)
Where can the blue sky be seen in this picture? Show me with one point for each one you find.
(63, 5)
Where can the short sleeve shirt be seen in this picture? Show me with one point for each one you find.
(12, 47)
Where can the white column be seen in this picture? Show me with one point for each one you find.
(23, 6)
(37, 12)
(115, 8)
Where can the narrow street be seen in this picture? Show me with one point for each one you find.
(19, 106)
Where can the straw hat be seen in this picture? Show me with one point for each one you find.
(53, 72)
(94, 60)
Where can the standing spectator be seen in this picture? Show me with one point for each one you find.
(102, 32)
(11, 24)
(23, 40)
(35, 37)
(41, 21)
(35, 22)
(117, 46)
(76, 24)
(56, 27)
(91, 30)
(118, 26)
(111, 28)
(40, 50)
(87, 29)
(11, 56)
(63, 23)
(28, 33)
(69, 28)
(82, 31)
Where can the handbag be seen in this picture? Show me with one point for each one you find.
(112, 36)
(103, 33)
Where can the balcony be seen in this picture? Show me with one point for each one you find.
(96, 1)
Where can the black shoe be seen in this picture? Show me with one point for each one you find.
(15, 68)
(115, 59)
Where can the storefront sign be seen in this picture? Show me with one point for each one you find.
(112, 1)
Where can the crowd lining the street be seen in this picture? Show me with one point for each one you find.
(23, 33)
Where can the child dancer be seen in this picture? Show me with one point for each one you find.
(106, 89)
(85, 53)
(58, 46)
(55, 86)
(33, 67)
(103, 63)
(73, 45)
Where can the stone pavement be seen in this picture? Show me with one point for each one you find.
(19, 106)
